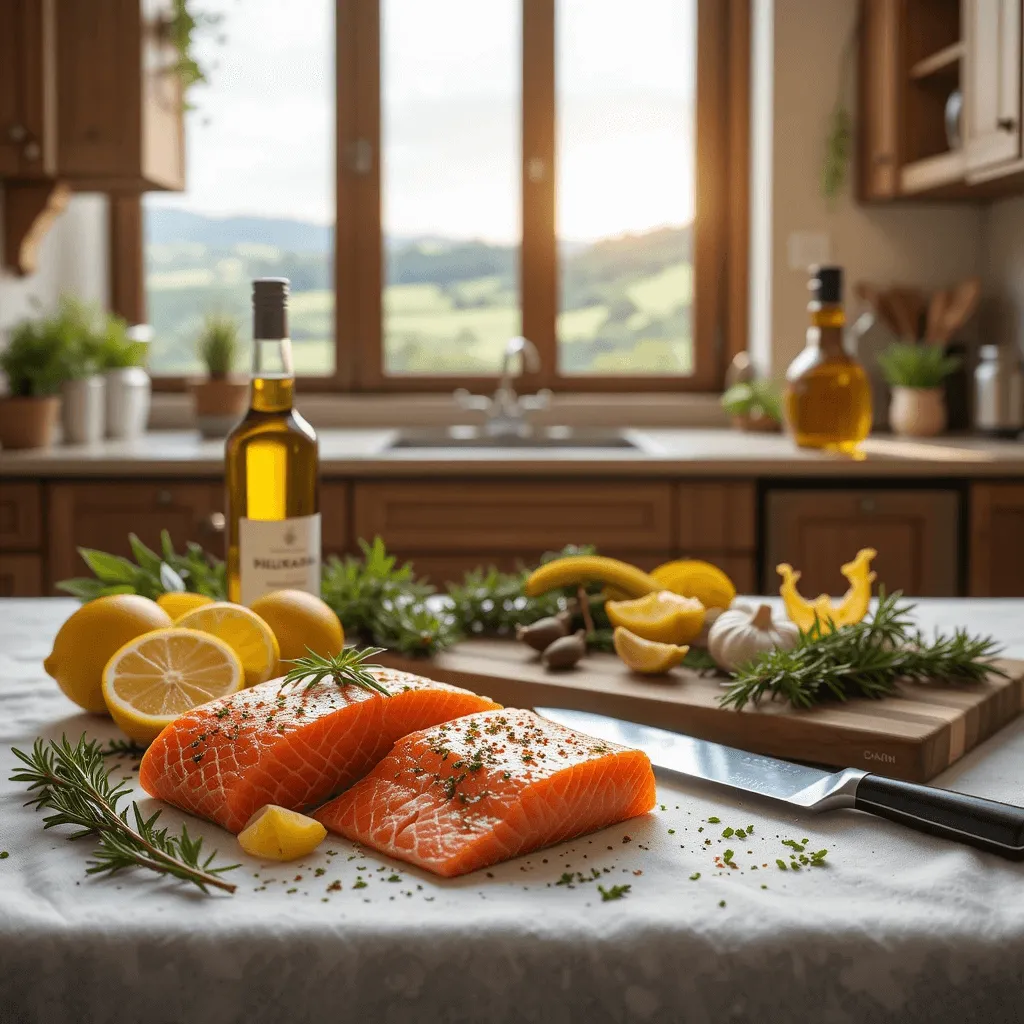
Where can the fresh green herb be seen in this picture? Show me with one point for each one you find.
(727, 833)
(818, 859)
(781, 863)
(793, 845)
(867, 659)
(695, 876)
(671, 831)
(728, 856)
(219, 344)
(359, 884)
(615, 892)
(122, 748)
(74, 783)
(721, 903)
(492, 603)
(715, 821)
(345, 669)
(740, 834)
(756, 398)
(566, 879)
(908, 365)
(4, 854)
(394, 878)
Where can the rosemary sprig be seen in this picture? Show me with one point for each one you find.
(74, 783)
(345, 669)
(864, 660)
(123, 748)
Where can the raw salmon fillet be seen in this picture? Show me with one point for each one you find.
(294, 746)
(481, 789)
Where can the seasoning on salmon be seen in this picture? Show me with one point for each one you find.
(293, 745)
(481, 789)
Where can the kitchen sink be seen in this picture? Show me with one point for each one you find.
(541, 437)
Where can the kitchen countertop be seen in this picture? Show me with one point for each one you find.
(660, 453)
(898, 927)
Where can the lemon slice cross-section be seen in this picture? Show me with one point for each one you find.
(245, 632)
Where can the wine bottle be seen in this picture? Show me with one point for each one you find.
(272, 468)
(828, 397)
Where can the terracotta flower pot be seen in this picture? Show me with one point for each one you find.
(28, 422)
(917, 412)
(220, 404)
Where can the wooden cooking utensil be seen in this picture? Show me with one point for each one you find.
(963, 301)
(878, 301)
(908, 307)
(936, 310)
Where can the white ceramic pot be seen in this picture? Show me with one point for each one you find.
(917, 412)
(83, 411)
(128, 395)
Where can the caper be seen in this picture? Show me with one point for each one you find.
(542, 633)
(565, 652)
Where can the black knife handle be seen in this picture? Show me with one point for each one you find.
(987, 824)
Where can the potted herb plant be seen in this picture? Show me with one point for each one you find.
(83, 410)
(35, 364)
(754, 405)
(123, 351)
(915, 373)
(222, 398)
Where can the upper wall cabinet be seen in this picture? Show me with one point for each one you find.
(89, 94)
(941, 92)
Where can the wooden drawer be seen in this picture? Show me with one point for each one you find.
(997, 540)
(21, 520)
(496, 517)
(916, 534)
(716, 517)
(21, 575)
(101, 515)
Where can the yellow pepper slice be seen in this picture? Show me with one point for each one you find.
(852, 608)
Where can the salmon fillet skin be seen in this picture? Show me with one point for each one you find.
(481, 789)
(293, 745)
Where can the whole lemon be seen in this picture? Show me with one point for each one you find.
(86, 641)
(300, 621)
(179, 602)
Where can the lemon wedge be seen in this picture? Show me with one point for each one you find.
(177, 602)
(243, 631)
(275, 833)
(662, 616)
(157, 677)
(693, 578)
(647, 656)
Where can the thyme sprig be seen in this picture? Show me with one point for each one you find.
(345, 669)
(867, 659)
(74, 783)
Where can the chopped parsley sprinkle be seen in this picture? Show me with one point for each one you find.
(394, 878)
(566, 879)
(740, 834)
(728, 833)
(615, 892)
(781, 863)
(727, 856)
(223, 712)
(671, 831)
(358, 884)
(695, 876)
(4, 854)
(793, 845)
(721, 903)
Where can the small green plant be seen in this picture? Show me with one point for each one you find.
(219, 344)
(116, 349)
(754, 398)
(66, 345)
(906, 365)
(184, 25)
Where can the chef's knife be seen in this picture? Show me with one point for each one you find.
(987, 824)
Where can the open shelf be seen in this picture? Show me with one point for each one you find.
(934, 173)
(942, 63)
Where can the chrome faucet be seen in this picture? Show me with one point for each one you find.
(506, 410)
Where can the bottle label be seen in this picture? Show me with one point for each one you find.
(278, 554)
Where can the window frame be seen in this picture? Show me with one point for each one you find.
(720, 223)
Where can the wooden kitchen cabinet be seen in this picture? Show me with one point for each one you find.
(101, 515)
(916, 535)
(21, 575)
(992, 83)
(878, 165)
(996, 540)
(21, 516)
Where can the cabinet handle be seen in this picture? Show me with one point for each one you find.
(867, 504)
(32, 151)
(17, 132)
(164, 497)
(1006, 124)
(213, 523)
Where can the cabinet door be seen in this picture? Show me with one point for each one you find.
(27, 88)
(21, 575)
(20, 516)
(101, 516)
(992, 85)
(997, 540)
(914, 532)
(880, 99)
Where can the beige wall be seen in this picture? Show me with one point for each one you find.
(1003, 315)
(928, 245)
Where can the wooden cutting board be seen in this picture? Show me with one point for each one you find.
(913, 736)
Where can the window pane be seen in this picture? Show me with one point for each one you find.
(260, 197)
(626, 89)
(450, 98)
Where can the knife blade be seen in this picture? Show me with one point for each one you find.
(986, 824)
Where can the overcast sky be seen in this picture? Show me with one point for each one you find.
(262, 139)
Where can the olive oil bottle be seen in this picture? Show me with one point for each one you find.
(272, 468)
(828, 396)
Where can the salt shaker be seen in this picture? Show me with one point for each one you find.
(999, 392)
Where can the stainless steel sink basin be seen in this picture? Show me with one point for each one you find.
(541, 437)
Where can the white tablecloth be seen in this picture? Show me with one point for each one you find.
(898, 927)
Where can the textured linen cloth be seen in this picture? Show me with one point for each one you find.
(898, 927)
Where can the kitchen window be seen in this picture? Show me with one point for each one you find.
(570, 170)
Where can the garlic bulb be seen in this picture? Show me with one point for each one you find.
(739, 635)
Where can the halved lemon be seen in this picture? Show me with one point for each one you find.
(157, 677)
(177, 602)
(662, 616)
(276, 833)
(691, 577)
(243, 631)
(647, 656)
